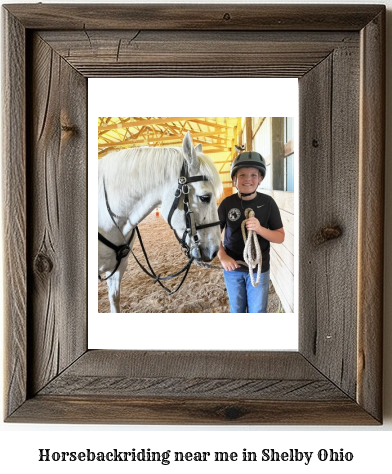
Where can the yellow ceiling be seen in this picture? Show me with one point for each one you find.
(218, 135)
(215, 133)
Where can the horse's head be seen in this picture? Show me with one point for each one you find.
(203, 239)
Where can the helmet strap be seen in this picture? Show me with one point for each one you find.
(247, 194)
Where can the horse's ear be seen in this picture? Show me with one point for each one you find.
(190, 153)
(199, 148)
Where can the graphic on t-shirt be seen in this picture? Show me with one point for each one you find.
(234, 214)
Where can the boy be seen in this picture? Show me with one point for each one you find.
(247, 172)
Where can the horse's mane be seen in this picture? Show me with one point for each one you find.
(208, 169)
(136, 167)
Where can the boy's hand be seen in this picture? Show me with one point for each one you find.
(229, 263)
(253, 224)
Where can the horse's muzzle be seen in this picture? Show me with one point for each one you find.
(206, 255)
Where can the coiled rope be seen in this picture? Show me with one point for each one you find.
(252, 253)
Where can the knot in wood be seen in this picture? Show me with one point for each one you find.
(232, 413)
(69, 128)
(328, 233)
(43, 264)
(227, 16)
(315, 143)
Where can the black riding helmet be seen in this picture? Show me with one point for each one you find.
(248, 159)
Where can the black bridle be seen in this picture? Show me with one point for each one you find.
(122, 250)
(191, 229)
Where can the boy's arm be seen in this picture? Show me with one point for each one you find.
(274, 236)
(227, 262)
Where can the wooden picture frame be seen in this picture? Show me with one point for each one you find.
(338, 54)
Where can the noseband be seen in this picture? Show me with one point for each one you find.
(191, 229)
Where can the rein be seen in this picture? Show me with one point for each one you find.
(191, 229)
(158, 278)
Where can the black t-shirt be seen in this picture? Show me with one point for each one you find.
(232, 213)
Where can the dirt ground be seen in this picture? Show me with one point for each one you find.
(202, 292)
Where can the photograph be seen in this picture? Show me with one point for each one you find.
(203, 206)
(330, 174)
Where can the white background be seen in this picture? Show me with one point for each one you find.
(19, 444)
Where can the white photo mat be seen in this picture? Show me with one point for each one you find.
(171, 98)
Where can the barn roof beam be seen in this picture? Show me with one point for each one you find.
(158, 121)
(197, 138)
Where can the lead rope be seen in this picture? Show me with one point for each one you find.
(252, 253)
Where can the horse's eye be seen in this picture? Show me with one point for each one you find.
(206, 198)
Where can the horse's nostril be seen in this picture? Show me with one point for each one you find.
(207, 256)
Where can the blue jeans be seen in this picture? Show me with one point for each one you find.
(243, 297)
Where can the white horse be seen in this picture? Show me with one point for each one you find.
(133, 182)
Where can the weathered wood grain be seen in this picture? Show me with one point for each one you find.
(89, 410)
(123, 53)
(57, 215)
(14, 212)
(191, 17)
(371, 215)
(45, 192)
(329, 196)
(207, 364)
(204, 388)
(162, 374)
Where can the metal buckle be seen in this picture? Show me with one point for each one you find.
(177, 194)
(123, 252)
(185, 249)
(195, 250)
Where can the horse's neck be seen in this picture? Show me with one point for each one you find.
(132, 210)
(141, 208)
(132, 203)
